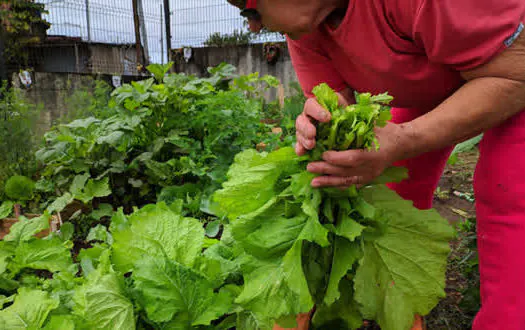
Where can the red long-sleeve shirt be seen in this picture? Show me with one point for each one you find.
(414, 49)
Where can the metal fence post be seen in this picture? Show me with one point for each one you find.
(161, 35)
(167, 21)
(88, 21)
(143, 32)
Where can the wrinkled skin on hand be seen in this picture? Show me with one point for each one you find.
(352, 167)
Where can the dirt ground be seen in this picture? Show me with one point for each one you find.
(454, 201)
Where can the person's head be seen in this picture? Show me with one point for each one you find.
(292, 17)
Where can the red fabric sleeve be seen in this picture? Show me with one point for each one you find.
(466, 34)
(312, 65)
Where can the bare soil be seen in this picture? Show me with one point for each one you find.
(453, 200)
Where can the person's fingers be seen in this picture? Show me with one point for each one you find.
(308, 144)
(300, 149)
(348, 158)
(336, 181)
(314, 110)
(328, 169)
(305, 127)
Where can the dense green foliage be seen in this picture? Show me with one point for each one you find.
(21, 24)
(19, 188)
(179, 221)
(18, 135)
(159, 135)
(238, 37)
(353, 254)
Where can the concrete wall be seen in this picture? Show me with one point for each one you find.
(86, 58)
(51, 91)
(247, 59)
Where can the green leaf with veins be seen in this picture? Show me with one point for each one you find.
(402, 272)
(171, 292)
(29, 310)
(156, 230)
(25, 228)
(49, 254)
(6, 209)
(346, 254)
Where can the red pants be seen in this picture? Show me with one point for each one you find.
(499, 186)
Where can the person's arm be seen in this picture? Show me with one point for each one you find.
(481, 39)
(494, 92)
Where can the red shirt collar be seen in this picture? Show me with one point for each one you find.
(251, 4)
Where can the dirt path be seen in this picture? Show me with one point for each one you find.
(454, 201)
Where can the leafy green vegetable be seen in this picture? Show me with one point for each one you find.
(174, 293)
(94, 188)
(464, 147)
(178, 254)
(25, 229)
(351, 127)
(102, 301)
(99, 233)
(355, 254)
(29, 311)
(60, 322)
(50, 254)
(156, 230)
(19, 188)
(401, 272)
(6, 209)
(60, 203)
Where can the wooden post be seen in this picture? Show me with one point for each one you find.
(167, 21)
(140, 52)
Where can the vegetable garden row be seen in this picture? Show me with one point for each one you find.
(183, 205)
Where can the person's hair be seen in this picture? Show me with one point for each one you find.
(237, 3)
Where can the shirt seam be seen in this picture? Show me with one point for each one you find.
(416, 17)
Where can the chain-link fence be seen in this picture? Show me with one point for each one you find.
(195, 21)
(99, 36)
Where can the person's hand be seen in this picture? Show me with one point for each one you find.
(358, 167)
(305, 122)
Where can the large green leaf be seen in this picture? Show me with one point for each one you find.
(78, 184)
(29, 311)
(6, 209)
(60, 203)
(83, 123)
(156, 230)
(99, 233)
(25, 228)
(402, 272)
(60, 322)
(342, 314)
(49, 254)
(345, 256)
(272, 210)
(94, 188)
(268, 295)
(104, 305)
(252, 179)
(171, 292)
(7, 250)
